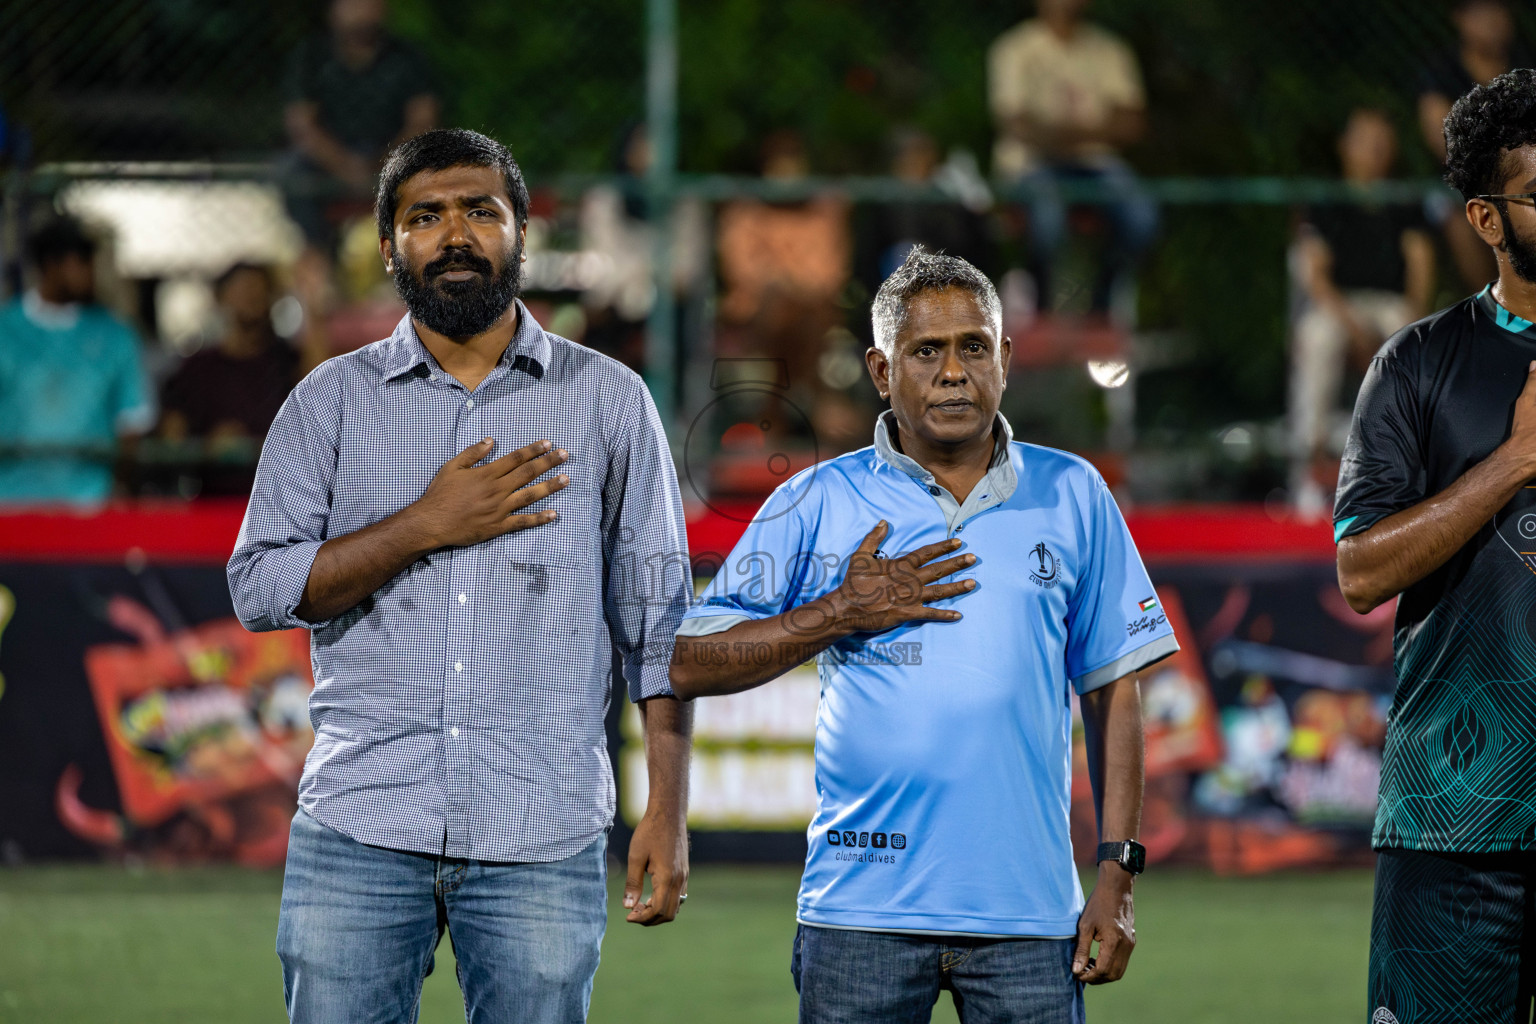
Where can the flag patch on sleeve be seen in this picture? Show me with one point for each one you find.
(1148, 604)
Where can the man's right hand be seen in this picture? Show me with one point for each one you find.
(466, 504)
(880, 593)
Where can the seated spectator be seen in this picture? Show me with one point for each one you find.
(353, 93)
(614, 221)
(891, 230)
(227, 395)
(72, 386)
(1067, 96)
(1366, 269)
(783, 267)
(1485, 48)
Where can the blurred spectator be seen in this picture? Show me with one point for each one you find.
(72, 386)
(227, 395)
(614, 223)
(783, 267)
(892, 229)
(1485, 49)
(353, 93)
(1067, 96)
(1366, 270)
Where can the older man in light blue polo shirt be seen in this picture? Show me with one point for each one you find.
(955, 587)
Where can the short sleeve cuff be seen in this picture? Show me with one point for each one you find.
(704, 625)
(1153, 651)
(1351, 525)
(277, 583)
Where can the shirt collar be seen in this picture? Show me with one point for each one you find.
(885, 447)
(53, 316)
(1503, 317)
(529, 350)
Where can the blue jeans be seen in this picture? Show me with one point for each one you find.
(359, 925)
(1132, 219)
(848, 977)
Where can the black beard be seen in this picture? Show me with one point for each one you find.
(459, 309)
(1521, 252)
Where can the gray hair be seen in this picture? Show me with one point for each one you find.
(925, 271)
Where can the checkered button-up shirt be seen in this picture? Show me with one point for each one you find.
(460, 708)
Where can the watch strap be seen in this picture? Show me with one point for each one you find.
(1124, 853)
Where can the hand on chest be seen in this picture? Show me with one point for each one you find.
(387, 461)
(1025, 564)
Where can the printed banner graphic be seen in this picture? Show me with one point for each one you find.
(137, 718)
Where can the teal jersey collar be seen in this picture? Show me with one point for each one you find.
(1503, 317)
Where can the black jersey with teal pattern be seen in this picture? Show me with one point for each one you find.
(1459, 770)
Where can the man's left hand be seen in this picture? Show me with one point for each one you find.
(1110, 919)
(659, 848)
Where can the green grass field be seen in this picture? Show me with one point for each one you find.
(92, 945)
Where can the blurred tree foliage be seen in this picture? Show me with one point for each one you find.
(146, 79)
(1234, 88)
(558, 82)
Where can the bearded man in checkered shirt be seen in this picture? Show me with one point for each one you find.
(477, 520)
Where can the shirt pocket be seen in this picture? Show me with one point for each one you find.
(572, 540)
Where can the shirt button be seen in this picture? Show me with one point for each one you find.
(960, 527)
(933, 491)
(454, 731)
(469, 403)
(458, 666)
(463, 598)
(431, 376)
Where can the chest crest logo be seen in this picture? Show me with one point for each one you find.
(1044, 566)
(1526, 552)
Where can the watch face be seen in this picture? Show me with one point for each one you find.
(1135, 857)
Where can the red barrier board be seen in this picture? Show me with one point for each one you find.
(203, 532)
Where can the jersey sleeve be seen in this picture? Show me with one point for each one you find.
(1382, 471)
(1115, 623)
(765, 572)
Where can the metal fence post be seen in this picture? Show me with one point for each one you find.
(661, 131)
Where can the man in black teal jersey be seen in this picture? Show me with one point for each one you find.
(1437, 506)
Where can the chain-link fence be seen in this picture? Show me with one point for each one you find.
(813, 141)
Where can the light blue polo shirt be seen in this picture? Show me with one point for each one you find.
(943, 749)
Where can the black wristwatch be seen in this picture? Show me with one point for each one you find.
(1129, 854)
